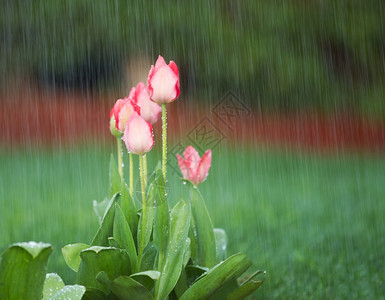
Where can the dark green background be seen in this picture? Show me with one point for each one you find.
(285, 55)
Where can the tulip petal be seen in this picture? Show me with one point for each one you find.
(192, 159)
(184, 168)
(125, 113)
(149, 110)
(132, 93)
(174, 67)
(203, 168)
(164, 83)
(160, 62)
(138, 135)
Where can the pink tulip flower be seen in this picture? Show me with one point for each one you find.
(138, 135)
(194, 168)
(163, 82)
(149, 110)
(120, 113)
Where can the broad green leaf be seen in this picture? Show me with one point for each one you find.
(146, 278)
(93, 294)
(220, 244)
(145, 226)
(182, 284)
(157, 190)
(73, 292)
(100, 208)
(128, 207)
(113, 243)
(114, 262)
(218, 278)
(122, 234)
(186, 252)
(52, 284)
(71, 254)
(115, 180)
(201, 232)
(23, 267)
(194, 272)
(173, 259)
(149, 256)
(125, 288)
(106, 227)
(247, 287)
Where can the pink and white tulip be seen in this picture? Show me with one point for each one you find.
(149, 110)
(120, 113)
(163, 82)
(138, 135)
(194, 168)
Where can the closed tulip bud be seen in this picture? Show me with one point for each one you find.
(138, 135)
(163, 82)
(194, 168)
(149, 110)
(120, 114)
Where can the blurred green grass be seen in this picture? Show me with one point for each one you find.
(313, 222)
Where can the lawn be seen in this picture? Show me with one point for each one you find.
(314, 222)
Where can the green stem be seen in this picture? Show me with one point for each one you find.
(164, 140)
(144, 209)
(120, 159)
(131, 187)
(145, 169)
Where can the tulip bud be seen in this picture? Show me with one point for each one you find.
(120, 114)
(163, 82)
(138, 135)
(149, 110)
(194, 168)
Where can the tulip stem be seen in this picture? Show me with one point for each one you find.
(131, 184)
(164, 140)
(144, 210)
(145, 169)
(120, 160)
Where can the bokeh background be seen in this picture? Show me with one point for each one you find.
(289, 95)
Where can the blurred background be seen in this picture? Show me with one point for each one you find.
(290, 96)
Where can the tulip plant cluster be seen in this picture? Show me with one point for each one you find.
(142, 249)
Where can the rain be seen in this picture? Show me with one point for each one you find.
(288, 95)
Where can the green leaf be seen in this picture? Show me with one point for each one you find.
(23, 267)
(100, 208)
(157, 190)
(113, 243)
(201, 232)
(128, 207)
(71, 254)
(146, 278)
(186, 252)
(125, 288)
(194, 272)
(114, 262)
(145, 229)
(106, 227)
(73, 292)
(246, 289)
(149, 256)
(218, 279)
(115, 180)
(173, 259)
(220, 244)
(93, 294)
(52, 284)
(122, 234)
